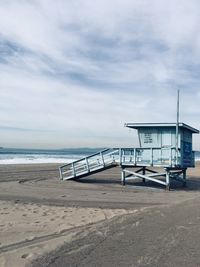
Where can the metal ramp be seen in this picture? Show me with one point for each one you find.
(91, 164)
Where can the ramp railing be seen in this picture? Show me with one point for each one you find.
(92, 163)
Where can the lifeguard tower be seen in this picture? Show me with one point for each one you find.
(160, 146)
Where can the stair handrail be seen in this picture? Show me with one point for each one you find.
(99, 153)
(78, 160)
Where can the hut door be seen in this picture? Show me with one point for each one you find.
(166, 139)
(166, 144)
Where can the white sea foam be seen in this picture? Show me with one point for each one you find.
(36, 156)
(35, 160)
(40, 160)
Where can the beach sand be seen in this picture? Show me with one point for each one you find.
(39, 213)
(29, 230)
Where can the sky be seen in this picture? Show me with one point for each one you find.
(73, 72)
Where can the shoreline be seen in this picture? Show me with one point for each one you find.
(66, 161)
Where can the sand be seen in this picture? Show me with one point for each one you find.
(26, 229)
(39, 213)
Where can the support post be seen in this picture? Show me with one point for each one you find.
(143, 173)
(170, 157)
(122, 176)
(184, 177)
(151, 156)
(135, 156)
(60, 171)
(167, 179)
(120, 156)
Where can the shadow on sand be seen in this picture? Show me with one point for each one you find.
(193, 183)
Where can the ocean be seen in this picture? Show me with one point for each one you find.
(29, 156)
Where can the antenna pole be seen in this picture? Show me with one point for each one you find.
(177, 127)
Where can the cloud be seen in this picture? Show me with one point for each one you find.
(80, 69)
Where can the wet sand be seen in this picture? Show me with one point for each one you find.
(40, 214)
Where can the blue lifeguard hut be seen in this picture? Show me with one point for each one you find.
(160, 145)
(158, 141)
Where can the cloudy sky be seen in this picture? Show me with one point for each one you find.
(72, 72)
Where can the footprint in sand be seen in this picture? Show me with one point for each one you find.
(35, 211)
(30, 238)
(27, 256)
(24, 256)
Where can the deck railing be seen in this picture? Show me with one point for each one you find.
(155, 156)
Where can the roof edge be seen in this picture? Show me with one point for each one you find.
(144, 125)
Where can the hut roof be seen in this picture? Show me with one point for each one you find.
(160, 125)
